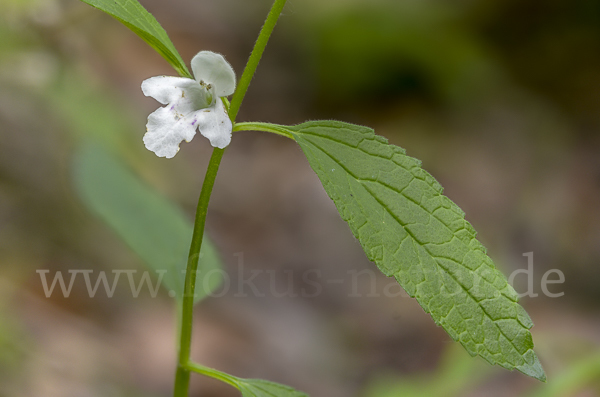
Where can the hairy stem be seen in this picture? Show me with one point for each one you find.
(182, 376)
(252, 64)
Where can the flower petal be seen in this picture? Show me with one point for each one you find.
(214, 124)
(166, 129)
(213, 69)
(166, 89)
(182, 94)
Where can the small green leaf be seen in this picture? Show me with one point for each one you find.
(419, 236)
(153, 227)
(249, 387)
(133, 15)
(264, 388)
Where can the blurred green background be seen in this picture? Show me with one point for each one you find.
(499, 98)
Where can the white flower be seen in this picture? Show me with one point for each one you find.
(191, 104)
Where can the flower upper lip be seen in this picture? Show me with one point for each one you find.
(190, 105)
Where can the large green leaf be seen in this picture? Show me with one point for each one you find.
(152, 226)
(135, 17)
(419, 236)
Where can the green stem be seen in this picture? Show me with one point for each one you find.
(252, 64)
(182, 376)
(267, 127)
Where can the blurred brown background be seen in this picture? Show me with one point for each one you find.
(500, 99)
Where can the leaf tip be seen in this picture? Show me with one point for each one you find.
(533, 368)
